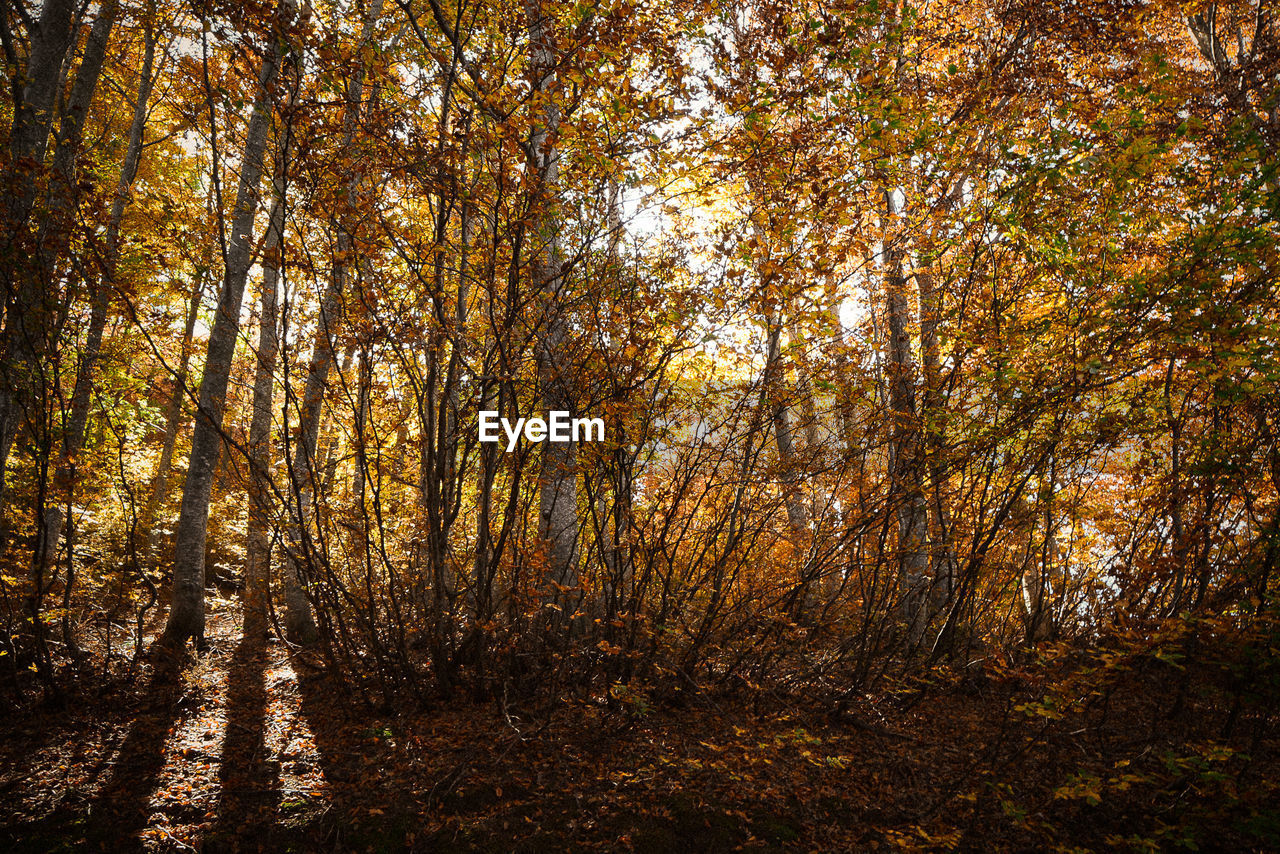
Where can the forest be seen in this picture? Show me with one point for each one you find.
(926, 355)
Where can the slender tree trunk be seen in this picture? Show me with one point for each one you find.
(257, 571)
(445, 497)
(783, 430)
(364, 382)
(1038, 587)
(173, 416)
(943, 569)
(784, 434)
(73, 434)
(558, 496)
(483, 571)
(815, 512)
(611, 520)
(775, 393)
(186, 614)
(299, 621)
(453, 371)
(55, 228)
(1173, 422)
(24, 321)
(434, 465)
(907, 480)
(33, 117)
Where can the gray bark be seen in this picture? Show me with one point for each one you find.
(173, 416)
(70, 134)
(299, 621)
(788, 465)
(441, 495)
(257, 570)
(186, 614)
(29, 133)
(783, 430)
(558, 497)
(943, 559)
(73, 435)
(907, 481)
(775, 393)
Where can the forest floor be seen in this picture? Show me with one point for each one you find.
(259, 752)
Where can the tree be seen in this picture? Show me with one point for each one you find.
(300, 624)
(25, 315)
(558, 496)
(186, 613)
(69, 140)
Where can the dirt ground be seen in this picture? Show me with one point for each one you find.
(252, 750)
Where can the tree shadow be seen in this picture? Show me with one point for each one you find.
(365, 810)
(323, 704)
(112, 818)
(248, 778)
(122, 804)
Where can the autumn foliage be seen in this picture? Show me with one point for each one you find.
(937, 347)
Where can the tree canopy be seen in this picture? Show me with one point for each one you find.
(929, 340)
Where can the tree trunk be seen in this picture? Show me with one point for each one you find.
(943, 569)
(775, 395)
(482, 575)
(907, 483)
(34, 116)
(558, 497)
(783, 430)
(25, 321)
(299, 622)
(173, 415)
(55, 228)
(186, 614)
(257, 570)
(439, 486)
(788, 465)
(73, 435)
(611, 521)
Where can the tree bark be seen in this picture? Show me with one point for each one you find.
(558, 492)
(55, 228)
(186, 614)
(612, 521)
(73, 433)
(25, 321)
(299, 621)
(943, 560)
(783, 430)
(907, 482)
(173, 415)
(257, 570)
(33, 117)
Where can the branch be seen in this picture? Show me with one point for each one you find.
(475, 91)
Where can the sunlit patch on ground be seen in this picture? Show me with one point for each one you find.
(303, 788)
(224, 753)
(227, 767)
(186, 797)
